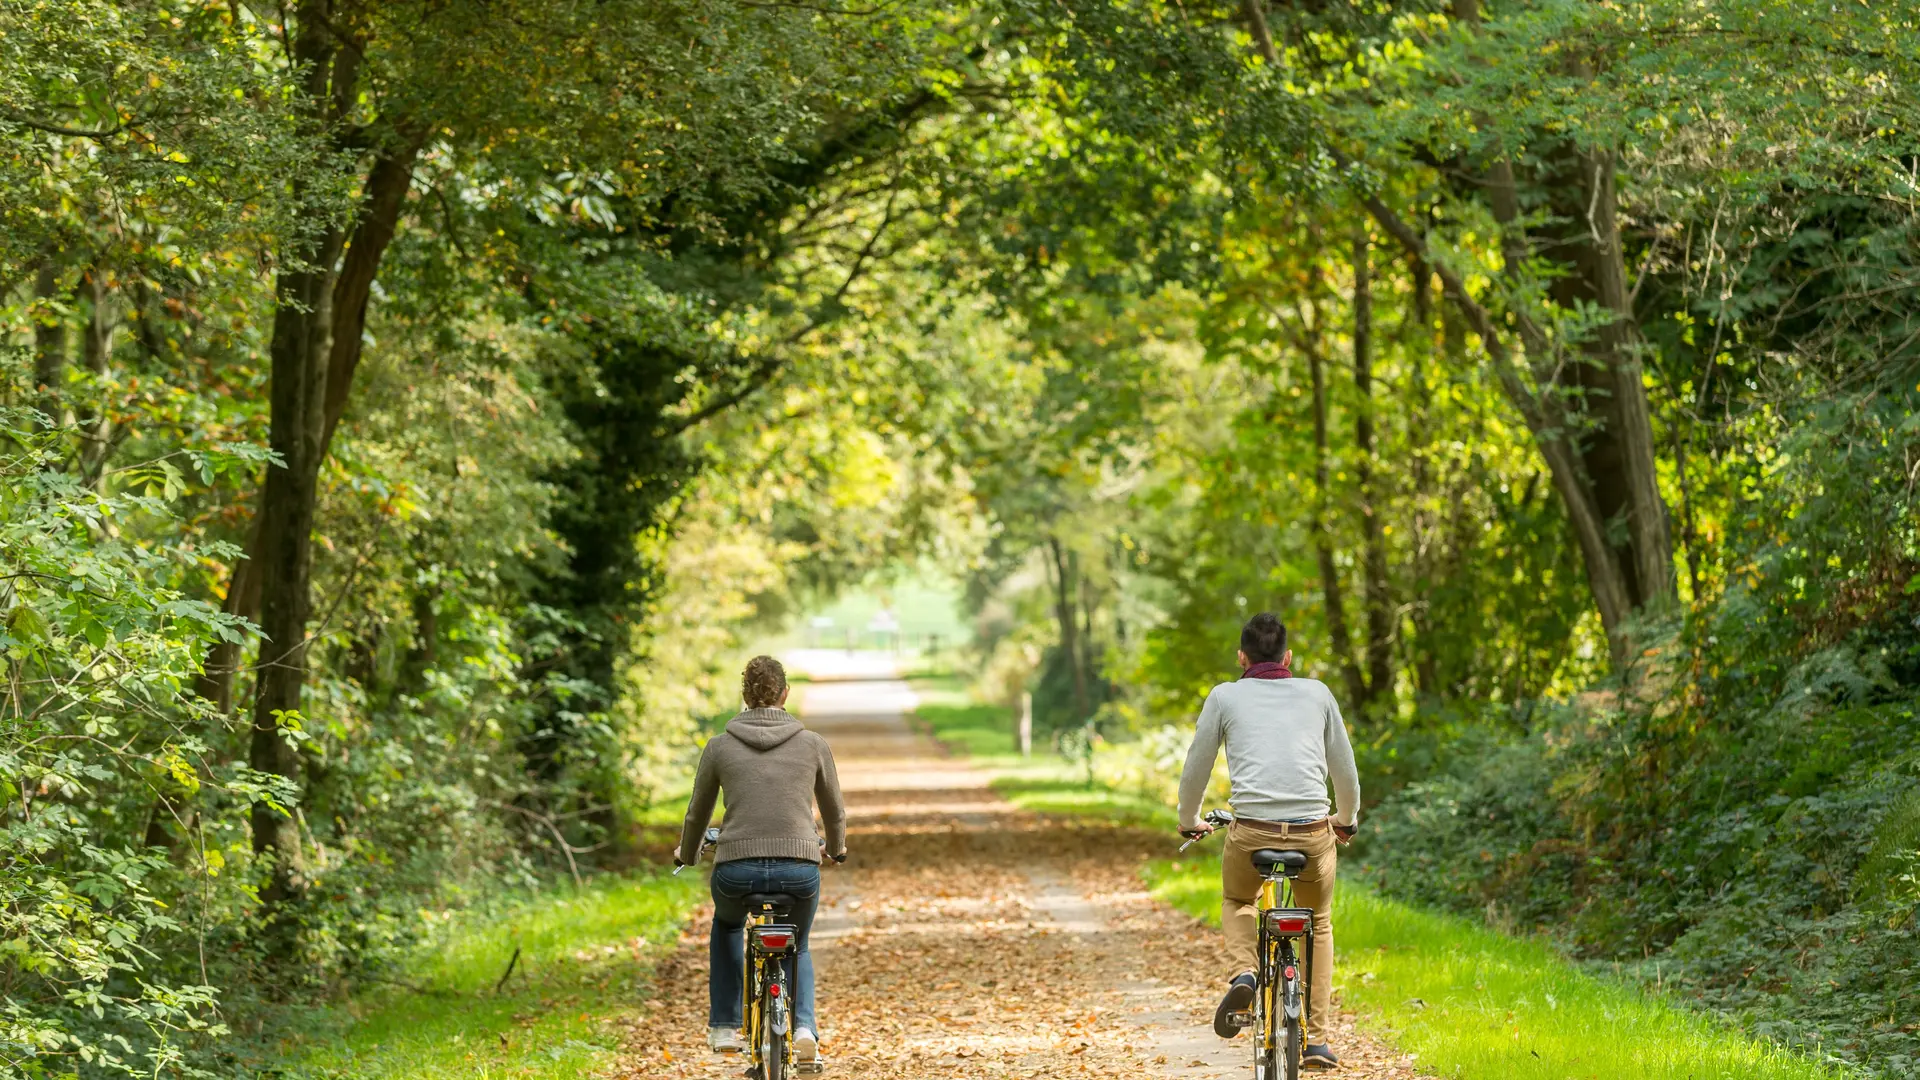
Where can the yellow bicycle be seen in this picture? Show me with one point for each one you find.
(768, 1030)
(772, 944)
(1283, 953)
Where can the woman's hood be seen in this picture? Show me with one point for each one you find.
(764, 729)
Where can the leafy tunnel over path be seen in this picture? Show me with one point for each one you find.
(412, 415)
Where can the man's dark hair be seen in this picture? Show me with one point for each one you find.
(1264, 638)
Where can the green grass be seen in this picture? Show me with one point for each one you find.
(1476, 1004)
(585, 958)
(1044, 782)
(923, 602)
(1074, 797)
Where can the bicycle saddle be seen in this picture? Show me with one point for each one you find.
(777, 904)
(1289, 863)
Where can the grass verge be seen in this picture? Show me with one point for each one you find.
(585, 957)
(1044, 781)
(1479, 1005)
(1469, 1002)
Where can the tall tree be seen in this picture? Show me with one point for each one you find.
(1613, 470)
(1063, 564)
(683, 99)
(1332, 588)
(1376, 590)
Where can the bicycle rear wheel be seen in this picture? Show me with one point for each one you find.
(772, 1061)
(774, 1035)
(1289, 1050)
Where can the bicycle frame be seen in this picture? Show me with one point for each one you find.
(768, 1008)
(1285, 974)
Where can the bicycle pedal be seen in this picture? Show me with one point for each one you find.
(1240, 1019)
(810, 1068)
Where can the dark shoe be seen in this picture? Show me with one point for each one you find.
(1319, 1058)
(1238, 1000)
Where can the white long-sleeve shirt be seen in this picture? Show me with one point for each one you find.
(1285, 740)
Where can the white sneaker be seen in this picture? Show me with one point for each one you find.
(806, 1046)
(725, 1040)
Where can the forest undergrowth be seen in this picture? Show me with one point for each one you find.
(1772, 879)
(533, 990)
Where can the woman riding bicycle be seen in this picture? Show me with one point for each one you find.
(772, 770)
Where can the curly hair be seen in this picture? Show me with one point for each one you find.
(763, 682)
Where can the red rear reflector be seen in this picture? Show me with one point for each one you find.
(774, 990)
(1291, 924)
(775, 941)
(1290, 973)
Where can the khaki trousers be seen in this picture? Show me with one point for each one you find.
(1240, 892)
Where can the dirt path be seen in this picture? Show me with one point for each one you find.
(967, 938)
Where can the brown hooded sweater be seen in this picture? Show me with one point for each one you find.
(772, 770)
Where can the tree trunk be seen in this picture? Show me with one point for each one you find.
(1612, 428)
(1063, 608)
(1617, 456)
(1618, 464)
(1631, 419)
(1089, 600)
(1604, 576)
(298, 355)
(1339, 642)
(387, 184)
(1376, 590)
(49, 348)
(1552, 425)
(285, 557)
(96, 429)
(1425, 525)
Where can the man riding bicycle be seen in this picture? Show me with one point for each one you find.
(772, 770)
(1284, 739)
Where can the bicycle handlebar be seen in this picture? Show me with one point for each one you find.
(707, 840)
(712, 837)
(1219, 819)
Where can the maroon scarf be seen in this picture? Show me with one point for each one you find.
(1270, 670)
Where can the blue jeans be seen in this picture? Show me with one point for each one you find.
(726, 978)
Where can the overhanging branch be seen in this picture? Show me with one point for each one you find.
(824, 314)
(70, 132)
